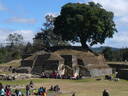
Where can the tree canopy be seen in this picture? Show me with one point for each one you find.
(15, 39)
(108, 53)
(46, 38)
(84, 23)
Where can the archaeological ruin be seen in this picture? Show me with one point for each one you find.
(68, 61)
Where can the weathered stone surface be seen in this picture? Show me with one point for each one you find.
(100, 72)
(2, 76)
(4, 68)
(23, 70)
(68, 62)
(23, 76)
(15, 76)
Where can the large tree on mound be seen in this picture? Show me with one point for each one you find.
(85, 23)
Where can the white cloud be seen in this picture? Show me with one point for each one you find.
(119, 7)
(4, 33)
(21, 20)
(119, 40)
(2, 7)
(121, 37)
(122, 21)
(27, 34)
(52, 14)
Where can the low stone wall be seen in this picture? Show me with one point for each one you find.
(4, 68)
(123, 74)
(118, 67)
(15, 76)
(23, 70)
(100, 72)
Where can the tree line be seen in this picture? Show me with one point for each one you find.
(115, 55)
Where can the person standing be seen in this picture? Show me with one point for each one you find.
(16, 92)
(31, 84)
(8, 90)
(27, 90)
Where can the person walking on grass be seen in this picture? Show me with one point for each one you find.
(27, 90)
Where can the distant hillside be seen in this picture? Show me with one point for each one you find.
(100, 49)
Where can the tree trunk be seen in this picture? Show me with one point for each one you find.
(84, 45)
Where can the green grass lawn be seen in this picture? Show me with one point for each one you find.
(83, 87)
(23, 82)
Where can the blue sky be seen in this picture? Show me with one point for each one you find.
(27, 16)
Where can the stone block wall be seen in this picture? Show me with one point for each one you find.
(4, 68)
(67, 60)
(37, 70)
(42, 64)
(85, 72)
(123, 74)
(23, 70)
(26, 63)
(100, 72)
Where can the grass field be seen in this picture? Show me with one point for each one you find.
(84, 87)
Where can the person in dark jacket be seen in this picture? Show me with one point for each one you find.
(106, 93)
(27, 90)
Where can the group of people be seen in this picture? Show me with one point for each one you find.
(56, 75)
(36, 92)
(29, 90)
(55, 88)
(7, 91)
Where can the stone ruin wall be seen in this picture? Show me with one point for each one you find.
(42, 64)
(4, 68)
(27, 63)
(97, 70)
(71, 63)
(100, 72)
